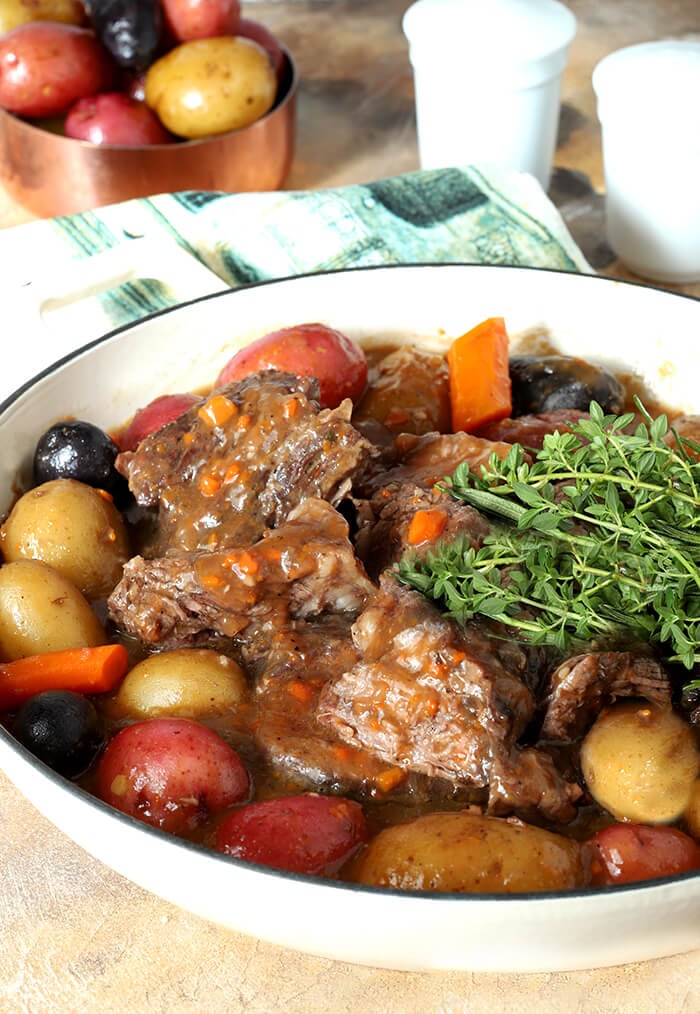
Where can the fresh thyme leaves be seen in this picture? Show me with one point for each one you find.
(596, 540)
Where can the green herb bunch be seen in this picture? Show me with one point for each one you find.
(596, 540)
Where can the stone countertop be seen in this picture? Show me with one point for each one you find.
(77, 936)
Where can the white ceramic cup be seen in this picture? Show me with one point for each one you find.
(649, 108)
(487, 77)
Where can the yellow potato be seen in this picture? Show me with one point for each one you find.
(186, 681)
(14, 13)
(211, 86)
(74, 528)
(41, 611)
(640, 763)
(692, 811)
(469, 853)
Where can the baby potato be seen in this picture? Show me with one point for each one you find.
(46, 66)
(640, 762)
(469, 853)
(20, 12)
(41, 611)
(171, 773)
(74, 528)
(187, 682)
(211, 86)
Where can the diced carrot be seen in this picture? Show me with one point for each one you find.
(302, 691)
(232, 472)
(424, 703)
(342, 752)
(290, 408)
(209, 484)
(212, 580)
(242, 561)
(426, 525)
(389, 779)
(480, 390)
(396, 417)
(218, 410)
(84, 670)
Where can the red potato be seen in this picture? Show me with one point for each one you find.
(263, 36)
(303, 834)
(115, 118)
(45, 67)
(172, 773)
(157, 413)
(309, 350)
(201, 19)
(626, 853)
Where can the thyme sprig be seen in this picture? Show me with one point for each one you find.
(595, 540)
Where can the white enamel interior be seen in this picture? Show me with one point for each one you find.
(651, 333)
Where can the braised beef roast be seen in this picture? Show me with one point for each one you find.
(443, 700)
(360, 684)
(582, 685)
(242, 460)
(303, 569)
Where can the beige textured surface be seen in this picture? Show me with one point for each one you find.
(76, 936)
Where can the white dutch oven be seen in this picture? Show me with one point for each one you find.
(652, 334)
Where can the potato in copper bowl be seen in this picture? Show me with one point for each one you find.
(105, 101)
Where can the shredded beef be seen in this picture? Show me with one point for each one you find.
(384, 538)
(428, 459)
(434, 698)
(302, 569)
(300, 659)
(389, 497)
(242, 460)
(530, 430)
(294, 745)
(582, 685)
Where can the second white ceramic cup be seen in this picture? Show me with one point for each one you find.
(649, 109)
(487, 79)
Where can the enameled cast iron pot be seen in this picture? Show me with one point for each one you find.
(652, 334)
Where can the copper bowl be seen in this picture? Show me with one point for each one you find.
(50, 174)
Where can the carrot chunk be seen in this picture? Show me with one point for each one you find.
(389, 779)
(426, 526)
(84, 670)
(209, 484)
(302, 691)
(218, 410)
(480, 390)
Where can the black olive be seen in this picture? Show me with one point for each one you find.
(690, 696)
(77, 450)
(61, 728)
(129, 30)
(545, 383)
